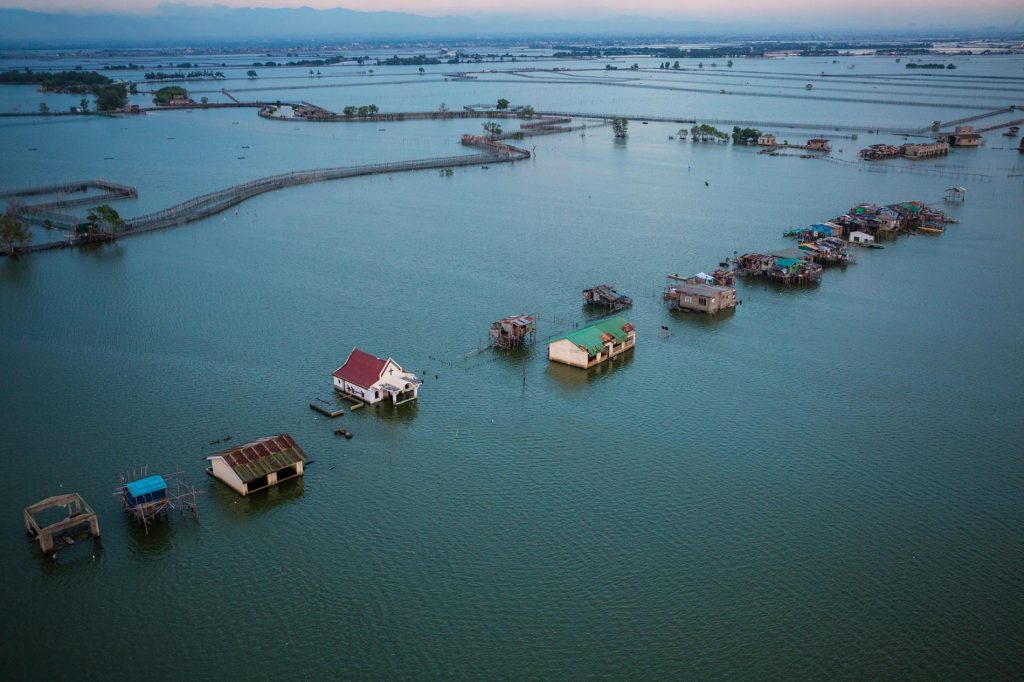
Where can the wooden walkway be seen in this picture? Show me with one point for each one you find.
(205, 205)
(210, 204)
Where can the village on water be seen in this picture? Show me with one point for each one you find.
(369, 378)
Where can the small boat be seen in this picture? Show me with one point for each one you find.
(343, 432)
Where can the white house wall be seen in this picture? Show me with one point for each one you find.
(225, 473)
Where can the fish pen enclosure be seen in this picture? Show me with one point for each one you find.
(146, 498)
(604, 295)
(79, 522)
(513, 332)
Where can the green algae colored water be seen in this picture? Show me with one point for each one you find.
(826, 483)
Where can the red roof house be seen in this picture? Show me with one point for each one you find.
(371, 379)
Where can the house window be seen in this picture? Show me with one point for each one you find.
(702, 301)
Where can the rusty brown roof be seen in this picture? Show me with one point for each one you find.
(260, 457)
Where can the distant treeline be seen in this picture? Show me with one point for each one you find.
(418, 60)
(304, 62)
(67, 81)
(181, 75)
(663, 52)
(912, 65)
(745, 50)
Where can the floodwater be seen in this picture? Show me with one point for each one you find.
(825, 483)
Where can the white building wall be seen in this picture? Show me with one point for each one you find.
(567, 352)
(225, 473)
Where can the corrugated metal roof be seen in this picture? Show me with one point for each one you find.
(260, 457)
(703, 289)
(150, 484)
(592, 337)
(361, 369)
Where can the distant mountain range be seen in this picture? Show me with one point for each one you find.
(178, 24)
(173, 23)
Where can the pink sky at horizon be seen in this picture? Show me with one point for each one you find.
(920, 11)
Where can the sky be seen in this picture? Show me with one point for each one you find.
(923, 11)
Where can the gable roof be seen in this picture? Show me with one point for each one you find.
(260, 457)
(361, 369)
(593, 337)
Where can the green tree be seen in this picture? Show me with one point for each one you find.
(251, 73)
(527, 111)
(133, 88)
(620, 126)
(422, 70)
(83, 104)
(204, 99)
(676, 65)
(166, 94)
(349, 111)
(502, 104)
(111, 97)
(44, 108)
(635, 67)
(106, 218)
(14, 232)
(729, 63)
(492, 129)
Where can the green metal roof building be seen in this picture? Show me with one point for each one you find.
(593, 344)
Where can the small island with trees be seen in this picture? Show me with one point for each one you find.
(171, 95)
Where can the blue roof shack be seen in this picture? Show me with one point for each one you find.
(145, 491)
(147, 498)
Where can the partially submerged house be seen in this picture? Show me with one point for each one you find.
(514, 331)
(596, 343)
(371, 379)
(700, 298)
(819, 144)
(766, 140)
(963, 136)
(606, 296)
(861, 238)
(260, 464)
(925, 150)
(79, 522)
